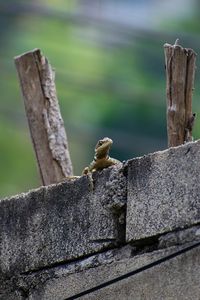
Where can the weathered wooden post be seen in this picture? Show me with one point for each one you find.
(45, 122)
(180, 72)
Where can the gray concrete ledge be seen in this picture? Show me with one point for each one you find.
(163, 192)
(60, 239)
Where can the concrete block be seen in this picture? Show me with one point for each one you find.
(163, 191)
(54, 224)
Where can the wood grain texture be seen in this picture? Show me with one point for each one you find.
(180, 71)
(44, 118)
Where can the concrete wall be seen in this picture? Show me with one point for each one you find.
(62, 239)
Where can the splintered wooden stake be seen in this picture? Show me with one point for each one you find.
(44, 118)
(180, 72)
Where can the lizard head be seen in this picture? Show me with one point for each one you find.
(102, 148)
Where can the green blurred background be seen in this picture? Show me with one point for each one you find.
(110, 77)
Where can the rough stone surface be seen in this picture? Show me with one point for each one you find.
(177, 278)
(163, 192)
(179, 237)
(60, 240)
(52, 224)
(108, 199)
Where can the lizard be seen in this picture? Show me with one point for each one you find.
(101, 159)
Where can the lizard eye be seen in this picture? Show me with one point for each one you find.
(100, 143)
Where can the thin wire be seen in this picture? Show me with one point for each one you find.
(129, 274)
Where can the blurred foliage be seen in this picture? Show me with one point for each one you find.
(110, 81)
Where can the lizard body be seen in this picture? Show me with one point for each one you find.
(101, 159)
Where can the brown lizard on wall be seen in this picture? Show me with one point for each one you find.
(101, 159)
